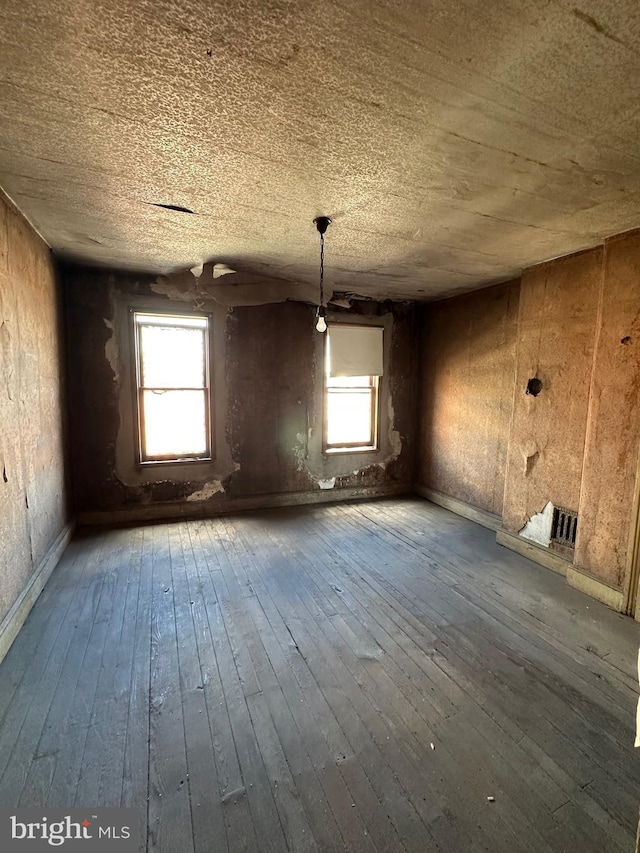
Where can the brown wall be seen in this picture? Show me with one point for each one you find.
(613, 426)
(576, 444)
(267, 393)
(32, 479)
(556, 334)
(468, 346)
(579, 327)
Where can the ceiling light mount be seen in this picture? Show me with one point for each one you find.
(321, 223)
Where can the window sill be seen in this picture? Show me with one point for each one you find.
(332, 451)
(153, 463)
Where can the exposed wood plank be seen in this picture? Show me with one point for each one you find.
(18, 674)
(238, 680)
(135, 775)
(343, 821)
(104, 744)
(210, 636)
(305, 735)
(204, 790)
(169, 822)
(25, 720)
(275, 681)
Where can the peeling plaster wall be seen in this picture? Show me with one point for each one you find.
(33, 495)
(538, 528)
(233, 289)
(574, 324)
(576, 444)
(267, 393)
(270, 380)
(468, 351)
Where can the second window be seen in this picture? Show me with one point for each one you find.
(351, 398)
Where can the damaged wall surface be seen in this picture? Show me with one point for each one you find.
(33, 500)
(574, 444)
(267, 400)
(467, 352)
(578, 331)
(555, 341)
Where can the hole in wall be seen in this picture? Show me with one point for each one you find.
(626, 340)
(534, 386)
(530, 461)
(4, 474)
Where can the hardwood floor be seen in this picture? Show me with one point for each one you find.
(357, 677)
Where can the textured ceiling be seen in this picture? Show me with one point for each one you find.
(454, 143)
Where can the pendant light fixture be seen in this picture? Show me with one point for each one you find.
(321, 223)
(198, 298)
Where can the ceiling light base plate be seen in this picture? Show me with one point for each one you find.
(322, 223)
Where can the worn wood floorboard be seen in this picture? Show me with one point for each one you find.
(359, 677)
(25, 719)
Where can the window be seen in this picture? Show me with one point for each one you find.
(351, 397)
(172, 384)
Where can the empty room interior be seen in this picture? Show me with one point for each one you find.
(320, 425)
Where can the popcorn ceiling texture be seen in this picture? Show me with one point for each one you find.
(447, 161)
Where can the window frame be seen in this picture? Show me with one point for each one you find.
(138, 389)
(374, 393)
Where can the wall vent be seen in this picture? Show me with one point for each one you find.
(564, 526)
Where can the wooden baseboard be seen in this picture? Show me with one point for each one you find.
(474, 513)
(608, 595)
(176, 511)
(540, 555)
(15, 618)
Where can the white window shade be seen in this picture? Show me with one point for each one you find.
(355, 350)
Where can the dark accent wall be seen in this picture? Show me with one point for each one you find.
(33, 495)
(267, 401)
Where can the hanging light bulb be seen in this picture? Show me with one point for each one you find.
(198, 300)
(321, 323)
(321, 223)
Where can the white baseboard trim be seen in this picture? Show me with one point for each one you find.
(176, 511)
(15, 618)
(597, 589)
(474, 513)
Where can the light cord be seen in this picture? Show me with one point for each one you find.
(321, 269)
